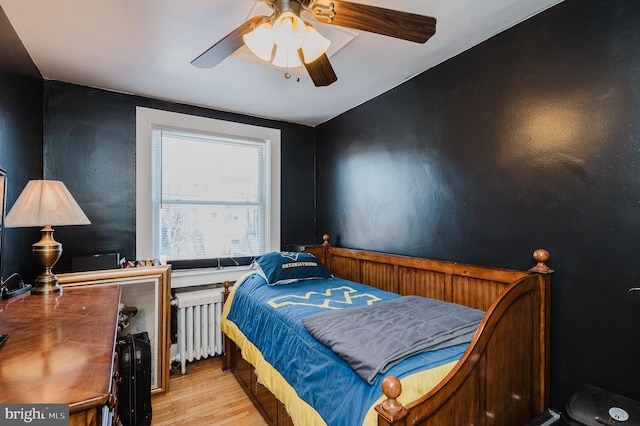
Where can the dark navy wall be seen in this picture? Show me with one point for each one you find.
(531, 139)
(20, 141)
(89, 143)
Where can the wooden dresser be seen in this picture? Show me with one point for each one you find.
(61, 351)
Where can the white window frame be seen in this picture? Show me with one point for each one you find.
(147, 119)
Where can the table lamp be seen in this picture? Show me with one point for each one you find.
(46, 203)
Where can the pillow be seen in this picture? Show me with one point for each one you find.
(288, 267)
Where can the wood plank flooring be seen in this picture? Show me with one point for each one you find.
(204, 396)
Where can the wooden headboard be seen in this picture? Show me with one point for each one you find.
(449, 281)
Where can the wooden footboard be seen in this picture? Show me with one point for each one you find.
(503, 377)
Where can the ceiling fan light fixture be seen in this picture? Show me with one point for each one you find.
(289, 31)
(285, 58)
(286, 39)
(260, 41)
(315, 45)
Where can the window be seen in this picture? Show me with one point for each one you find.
(206, 188)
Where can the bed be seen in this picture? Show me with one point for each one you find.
(500, 377)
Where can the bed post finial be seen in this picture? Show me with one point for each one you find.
(225, 292)
(541, 256)
(325, 239)
(390, 408)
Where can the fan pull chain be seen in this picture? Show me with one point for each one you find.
(287, 75)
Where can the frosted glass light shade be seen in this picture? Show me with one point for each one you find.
(286, 58)
(45, 202)
(314, 45)
(289, 31)
(260, 41)
(288, 34)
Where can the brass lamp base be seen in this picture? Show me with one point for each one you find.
(46, 284)
(47, 251)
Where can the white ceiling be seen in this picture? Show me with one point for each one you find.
(145, 47)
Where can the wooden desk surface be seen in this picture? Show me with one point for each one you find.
(60, 348)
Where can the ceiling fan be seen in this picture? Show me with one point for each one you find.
(289, 42)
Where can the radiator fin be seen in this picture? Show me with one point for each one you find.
(199, 334)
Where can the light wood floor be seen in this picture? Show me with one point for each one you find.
(204, 396)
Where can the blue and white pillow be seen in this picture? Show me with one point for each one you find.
(288, 267)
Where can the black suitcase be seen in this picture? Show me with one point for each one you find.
(592, 406)
(134, 391)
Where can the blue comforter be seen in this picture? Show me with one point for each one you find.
(270, 317)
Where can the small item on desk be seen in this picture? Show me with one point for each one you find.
(13, 292)
(14, 286)
(141, 263)
(3, 338)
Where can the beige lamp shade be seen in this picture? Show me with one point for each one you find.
(45, 202)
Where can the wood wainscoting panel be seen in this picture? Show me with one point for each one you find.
(379, 275)
(345, 267)
(420, 282)
(475, 292)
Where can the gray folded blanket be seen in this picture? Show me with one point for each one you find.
(374, 338)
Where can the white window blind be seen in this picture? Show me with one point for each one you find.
(214, 193)
(210, 194)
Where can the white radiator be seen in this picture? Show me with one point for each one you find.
(199, 334)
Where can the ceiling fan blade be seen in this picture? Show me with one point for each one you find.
(320, 70)
(391, 23)
(229, 44)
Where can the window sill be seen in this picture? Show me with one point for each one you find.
(195, 277)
